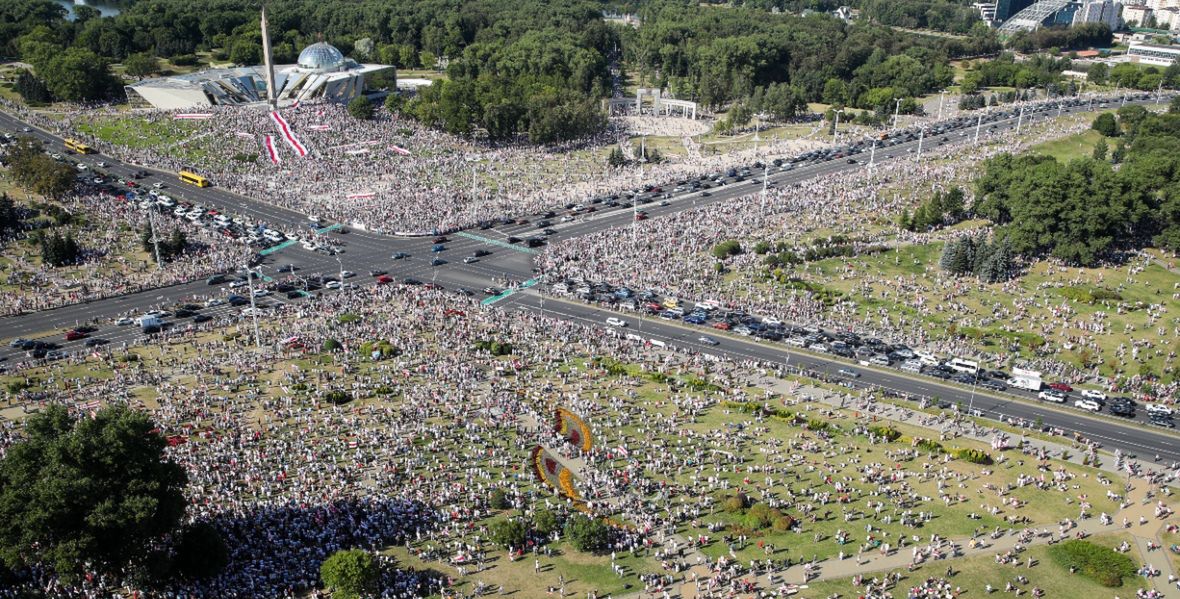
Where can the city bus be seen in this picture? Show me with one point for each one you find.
(193, 178)
(77, 146)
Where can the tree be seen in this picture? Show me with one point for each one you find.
(545, 522)
(1106, 125)
(77, 74)
(1174, 105)
(31, 88)
(394, 102)
(91, 490)
(587, 534)
(1100, 149)
(360, 108)
(1097, 73)
(9, 217)
(616, 158)
(200, 551)
(350, 573)
(726, 249)
(141, 65)
(509, 533)
(427, 59)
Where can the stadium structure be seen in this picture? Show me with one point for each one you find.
(321, 73)
(1043, 12)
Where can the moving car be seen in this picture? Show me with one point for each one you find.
(1051, 395)
(1092, 394)
(1155, 408)
(616, 322)
(707, 340)
(1087, 404)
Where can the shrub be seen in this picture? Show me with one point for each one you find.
(815, 424)
(331, 345)
(736, 503)
(930, 446)
(726, 249)
(350, 573)
(974, 456)
(783, 523)
(1105, 566)
(337, 397)
(499, 500)
(347, 317)
(885, 432)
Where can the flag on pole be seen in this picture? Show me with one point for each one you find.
(285, 130)
(269, 144)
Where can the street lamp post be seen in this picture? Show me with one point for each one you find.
(896, 112)
(921, 136)
(941, 98)
(341, 265)
(765, 177)
(1020, 120)
(872, 155)
(836, 126)
(253, 305)
(155, 238)
(978, 124)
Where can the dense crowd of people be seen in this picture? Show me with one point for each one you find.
(670, 255)
(431, 431)
(109, 233)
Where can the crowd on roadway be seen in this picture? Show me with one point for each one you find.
(671, 255)
(434, 428)
(113, 262)
(389, 174)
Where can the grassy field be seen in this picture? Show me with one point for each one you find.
(1072, 147)
(975, 573)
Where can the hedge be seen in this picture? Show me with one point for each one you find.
(974, 456)
(1105, 566)
(885, 432)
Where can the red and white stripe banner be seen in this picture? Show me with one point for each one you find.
(285, 130)
(271, 152)
(361, 196)
(192, 115)
(400, 150)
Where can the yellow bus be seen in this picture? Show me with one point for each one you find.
(194, 179)
(77, 146)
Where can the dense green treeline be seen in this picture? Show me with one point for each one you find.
(939, 15)
(719, 56)
(1085, 211)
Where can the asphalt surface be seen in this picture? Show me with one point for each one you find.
(512, 264)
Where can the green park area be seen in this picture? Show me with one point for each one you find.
(1079, 145)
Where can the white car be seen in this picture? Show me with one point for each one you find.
(1051, 395)
(81, 166)
(616, 322)
(1092, 394)
(124, 321)
(334, 285)
(1155, 408)
(252, 312)
(100, 164)
(158, 185)
(237, 284)
(315, 220)
(1087, 404)
(261, 293)
(707, 340)
(348, 274)
(217, 301)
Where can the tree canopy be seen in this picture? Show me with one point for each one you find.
(1084, 211)
(94, 490)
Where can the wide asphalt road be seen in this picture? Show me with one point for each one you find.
(512, 264)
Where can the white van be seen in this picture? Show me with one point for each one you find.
(961, 365)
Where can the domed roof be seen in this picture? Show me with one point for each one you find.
(321, 56)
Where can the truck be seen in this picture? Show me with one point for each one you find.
(1026, 379)
(150, 323)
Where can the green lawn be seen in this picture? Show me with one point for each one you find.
(1076, 146)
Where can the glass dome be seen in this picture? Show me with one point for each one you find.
(321, 56)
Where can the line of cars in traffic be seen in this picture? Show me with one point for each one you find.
(846, 344)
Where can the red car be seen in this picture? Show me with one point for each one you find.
(75, 335)
(1062, 387)
(721, 326)
(641, 216)
(384, 280)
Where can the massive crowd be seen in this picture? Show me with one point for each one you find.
(412, 461)
(108, 231)
(401, 176)
(671, 255)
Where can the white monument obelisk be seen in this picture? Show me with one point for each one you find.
(271, 97)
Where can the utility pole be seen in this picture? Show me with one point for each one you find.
(872, 154)
(1020, 119)
(155, 238)
(941, 97)
(765, 177)
(836, 126)
(921, 136)
(253, 306)
(978, 124)
(896, 112)
(1158, 91)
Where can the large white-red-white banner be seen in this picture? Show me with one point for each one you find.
(288, 135)
(271, 152)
